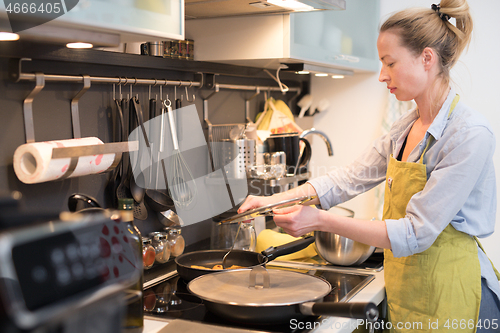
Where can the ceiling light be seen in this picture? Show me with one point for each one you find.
(292, 5)
(302, 72)
(337, 76)
(321, 74)
(79, 45)
(4, 36)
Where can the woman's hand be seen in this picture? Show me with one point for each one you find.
(298, 220)
(253, 201)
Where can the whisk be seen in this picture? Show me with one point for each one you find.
(182, 187)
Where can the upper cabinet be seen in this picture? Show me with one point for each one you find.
(100, 22)
(328, 40)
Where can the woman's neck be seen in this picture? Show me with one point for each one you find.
(430, 103)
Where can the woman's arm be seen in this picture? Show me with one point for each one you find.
(300, 220)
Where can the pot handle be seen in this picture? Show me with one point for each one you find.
(273, 252)
(366, 311)
(76, 198)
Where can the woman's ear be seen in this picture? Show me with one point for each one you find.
(429, 57)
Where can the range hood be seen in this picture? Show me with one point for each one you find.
(198, 9)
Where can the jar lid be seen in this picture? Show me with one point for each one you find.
(159, 236)
(153, 234)
(173, 230)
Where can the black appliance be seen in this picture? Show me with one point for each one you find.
(64, 275)
(170, 299)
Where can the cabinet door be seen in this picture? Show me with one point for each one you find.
(135, 20)
(347, 39)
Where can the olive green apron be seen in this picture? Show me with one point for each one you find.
(440, 287)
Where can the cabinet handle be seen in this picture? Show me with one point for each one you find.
(346, 58)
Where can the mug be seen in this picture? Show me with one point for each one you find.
(290, 144)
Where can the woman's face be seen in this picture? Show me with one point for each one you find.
(402, 71)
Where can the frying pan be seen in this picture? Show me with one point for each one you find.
(240, 295)
(247, 259)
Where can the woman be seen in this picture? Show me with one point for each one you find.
(440, 183)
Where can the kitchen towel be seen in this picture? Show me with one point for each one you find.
(33, 162)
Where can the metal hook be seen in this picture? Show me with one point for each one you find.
(75, 113)
(247, 104)
(165, 103)
(187, 95)
(120, 87)
(29, 126)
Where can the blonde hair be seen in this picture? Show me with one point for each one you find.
(419, 28)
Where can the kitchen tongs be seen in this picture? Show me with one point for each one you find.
(267, 210)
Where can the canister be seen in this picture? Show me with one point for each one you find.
(183, 49)
(156, 49)
(166, 49)
(190, 49)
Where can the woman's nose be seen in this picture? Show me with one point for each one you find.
(383, 76)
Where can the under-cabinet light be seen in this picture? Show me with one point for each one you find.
(302, 72)
(321, 74)
(79, 45)
(337, 76)
(292, 5)
(5, 36)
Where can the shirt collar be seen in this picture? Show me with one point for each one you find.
(439, 123)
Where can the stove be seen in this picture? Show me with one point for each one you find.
(170, 298)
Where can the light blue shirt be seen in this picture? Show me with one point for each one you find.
(460, 188)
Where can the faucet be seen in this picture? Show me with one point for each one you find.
(322, 135)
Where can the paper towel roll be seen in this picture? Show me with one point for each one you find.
(33, 162)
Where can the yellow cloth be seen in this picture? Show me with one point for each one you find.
(268, 237)
(439, 286)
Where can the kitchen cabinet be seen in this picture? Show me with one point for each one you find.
(342, 41)
(100, 22)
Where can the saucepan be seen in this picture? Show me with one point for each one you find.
(339, 250)
(194, 264)
(261, 296)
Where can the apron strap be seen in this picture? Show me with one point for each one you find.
(481, 247)
(431, 138)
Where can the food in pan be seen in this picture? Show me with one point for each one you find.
(216, 267)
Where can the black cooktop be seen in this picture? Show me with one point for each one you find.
(170, 300)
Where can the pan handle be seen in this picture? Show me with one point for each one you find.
(276, 251)
(366, 311)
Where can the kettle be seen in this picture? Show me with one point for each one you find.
(296, 160)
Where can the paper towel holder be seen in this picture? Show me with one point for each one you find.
(73, 153)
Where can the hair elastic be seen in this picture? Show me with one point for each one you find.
(437, 9)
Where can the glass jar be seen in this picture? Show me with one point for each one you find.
(175, 241)
(223, 236)
(161, 246)
(148, 253)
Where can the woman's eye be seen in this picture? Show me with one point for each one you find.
(390, 65)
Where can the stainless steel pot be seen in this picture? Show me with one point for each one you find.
(339, 250)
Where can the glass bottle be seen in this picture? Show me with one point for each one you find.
(134, 319)
(175, 241)
(148, 253)
(160, 244)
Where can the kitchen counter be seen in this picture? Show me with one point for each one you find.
(373, 292)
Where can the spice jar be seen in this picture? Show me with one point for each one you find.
(161, 246)
(148, 253)
(175, 241)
